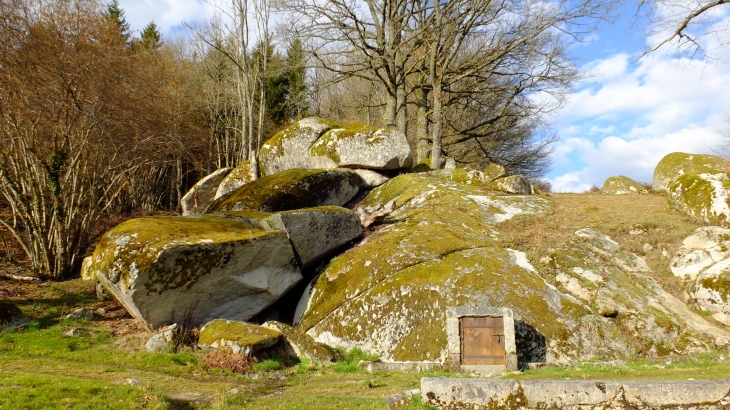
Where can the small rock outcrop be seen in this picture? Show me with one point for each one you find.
(238, 177)
(300, 344)
(703, 196)
(194, 269)
(705, 247)
(494, 171)
(316, 143)
(622, 185)
(712, 291)
(314, 233)
(703, 261)
(679, 163)
(202, 193)
(237, 337)
(165, 340)
(292, 189)
(11, 317)
(513, 184)
(371, 179)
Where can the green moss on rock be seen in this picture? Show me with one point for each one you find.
(703, 196)
(134, 245)
(292, 189)
(326, 145)
(678, 163)
(239, 337)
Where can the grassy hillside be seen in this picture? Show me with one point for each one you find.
(630, 220)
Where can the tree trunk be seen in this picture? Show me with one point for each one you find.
(391, 105)
(437, 124)
(402, 109)
(424, 142)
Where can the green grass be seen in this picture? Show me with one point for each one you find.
(705, 366)
(348, 360)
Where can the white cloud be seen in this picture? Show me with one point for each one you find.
(167, 14)
(625, 121)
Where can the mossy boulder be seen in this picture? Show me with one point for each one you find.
(238, 177)
(712, 291)
(439, 248)
(237, 337)
(168, 270)
(494, 171)
(629, 312)
(292, 189)
(678, 163)
(317, 143)
(315, 233)
(199, 197)
(289, 148)
(360, 146)
(513, 184)
(622, 185)
(301, 345)
(703, 196)
(11, 317)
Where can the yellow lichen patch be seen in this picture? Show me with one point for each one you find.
(274, 144)
(326, 145)
(240, 333)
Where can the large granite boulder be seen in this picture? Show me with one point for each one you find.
(703, 196)
(360, 146)
(11, 317)
(678, 163)
(622, 185)
(194, 269)
(513, 184)
(314, 233)
(289, 149)
(317, 143)
(237, 337)
(440, 248)
(292, 189)
(238, 177)
(202, 193)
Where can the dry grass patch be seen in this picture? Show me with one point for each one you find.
(630, 220)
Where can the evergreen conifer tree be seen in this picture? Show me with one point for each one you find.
(151, 38)
(115, 15)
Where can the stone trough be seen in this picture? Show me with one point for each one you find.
(460, 393)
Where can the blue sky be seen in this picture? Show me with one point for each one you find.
(620, 121)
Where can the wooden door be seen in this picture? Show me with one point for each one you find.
(482, 341)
